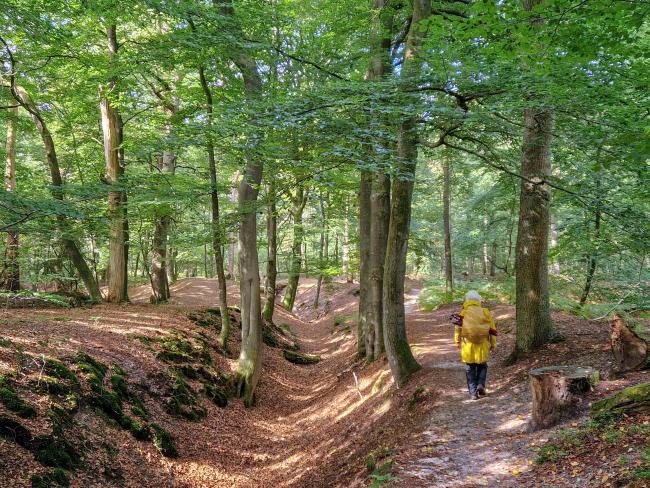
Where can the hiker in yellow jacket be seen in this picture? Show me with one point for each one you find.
(475, 335)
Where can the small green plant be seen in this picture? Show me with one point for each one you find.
(549, 454)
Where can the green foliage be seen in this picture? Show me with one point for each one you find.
(163, 441)
(51, 479)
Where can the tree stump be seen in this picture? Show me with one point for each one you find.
(557, 391)
(630, 350)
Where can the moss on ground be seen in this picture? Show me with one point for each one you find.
(10, 399)
(55, 451)
(14, 431)
(51, 479)
(5, 342)
(163, 441)
(183, 401)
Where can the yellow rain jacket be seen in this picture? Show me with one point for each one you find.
(471, 352)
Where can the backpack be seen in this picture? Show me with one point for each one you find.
(476, 325)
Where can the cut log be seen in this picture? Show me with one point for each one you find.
(630, 350)
(557, 392)
(632, 399)
(299, 357)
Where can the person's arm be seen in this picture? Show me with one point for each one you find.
(458, 321)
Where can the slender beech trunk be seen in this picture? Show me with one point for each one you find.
(400, 358)
(594, 253)
(345, 246)
(534, 326)
(446, 225)
(486, 259)
(271, 263)
(378, 69)
(117, 281)
(299, 200)
(555, 265)
(322, 251)
(365, 188)
(159, 258)
(493, 260)
(248, 370)
(70, 247)
(218, 237)
(10, 278)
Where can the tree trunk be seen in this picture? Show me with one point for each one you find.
(10, 279)
(117, 281)
(365, 188)
(299, 201)
(534, 326)
(594, 253)
(446, 223)
(486, 259)
(159, 258)
(556, 392)
(218, 237)
(631, 351)
(380, 220)
(69, 246)
(345, 246)
(322, 251)
(248, 369)
(493, 260)
(555, 265)
(400, 358)
(271, 263)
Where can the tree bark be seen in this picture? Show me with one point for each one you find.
(218, 236)
(10, 278)
(380, 218)
(365, 188)
(322, 249)
(594, 253)
(299, 200)
(70, 247)
(345, 246)
(556, 392)
(631, 351)
(117, 281)
(534, 326)
(159, 259)
(271, 263)
(446, 224)
(248, 369)
(400, 358)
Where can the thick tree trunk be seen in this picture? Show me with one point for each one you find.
(556, 392)
(400, 358)
(299, 201)
(271, 263)
(380, 218)
(365, 188)
(631, 351)
(446, 224)
(69, 246)
(218, 237)
(117, 279)
(10, 279)
(534, 326)
(159, 255)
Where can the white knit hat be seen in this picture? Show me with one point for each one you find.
(472, 295)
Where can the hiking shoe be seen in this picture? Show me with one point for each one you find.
(481, 390)
(475, 397)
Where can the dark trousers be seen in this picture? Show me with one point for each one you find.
(476, 375)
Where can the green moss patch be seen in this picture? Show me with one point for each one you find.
(52, 479)
(55, 451)
(10, 399)
(5, 342)
(13, 431)
(300, 358)
(633, 399)
(163, 441)
(183, 401)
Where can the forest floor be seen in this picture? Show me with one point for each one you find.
(330, 424)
